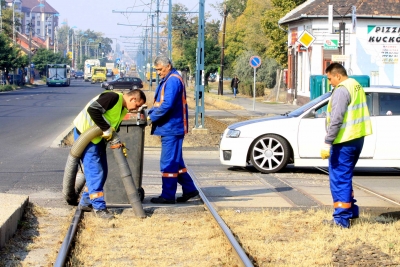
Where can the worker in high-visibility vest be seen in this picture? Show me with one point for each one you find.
(347, 123)
(107, 111)
(169, 119)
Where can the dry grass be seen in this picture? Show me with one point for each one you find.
(190, 239)
(270, 237)
(40, 231)
(297, 238)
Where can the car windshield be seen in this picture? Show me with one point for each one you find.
(302, 109)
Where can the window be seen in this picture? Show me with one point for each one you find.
(38, 31)
(389, 104)
(38, 23)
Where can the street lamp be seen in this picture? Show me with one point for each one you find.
(80, 45)
(30, 43)
(47, 31)
(13, 5)
(88, 41)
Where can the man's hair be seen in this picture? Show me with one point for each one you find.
(139, 94)
(336, 68)
(162, 60)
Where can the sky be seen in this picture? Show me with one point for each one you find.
(98, 15)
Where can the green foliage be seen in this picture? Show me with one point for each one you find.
(44, 57)
(7, 87)
(7, 21)
(278, 37)
(10, 56)
(211, 55)
(235, 7)
(85, 41)
(246, 88)
(181, 64)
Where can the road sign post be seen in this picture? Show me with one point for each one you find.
(255, 62)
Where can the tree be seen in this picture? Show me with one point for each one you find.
(277, 36)
(43, 57)
(234, 7)
(11, 56)
(7, 20)
(266, 73)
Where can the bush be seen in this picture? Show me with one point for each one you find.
(246, 88)
(7, 87)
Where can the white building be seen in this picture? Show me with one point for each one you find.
(371, 41)
(38, 16)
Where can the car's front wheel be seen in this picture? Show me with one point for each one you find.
(110, 87)
(270, 153)
(134, 87)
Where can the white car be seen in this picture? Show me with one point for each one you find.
(269, 144)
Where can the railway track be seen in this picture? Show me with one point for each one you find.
(62, 257)
(363, 188)
(238, 251)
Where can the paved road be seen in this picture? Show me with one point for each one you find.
(31, 119)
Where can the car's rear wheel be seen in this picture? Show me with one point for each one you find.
(270, 153)
(110, 87)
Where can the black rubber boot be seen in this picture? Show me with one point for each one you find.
(186, 197)
(161, 200)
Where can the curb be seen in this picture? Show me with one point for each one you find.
(10, 214)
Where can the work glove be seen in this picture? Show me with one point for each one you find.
(149, 121)
(107, 135)
(325, 151)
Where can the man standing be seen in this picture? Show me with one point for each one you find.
(106, 111)
(234, 85)
(169, 119)
(348, 122)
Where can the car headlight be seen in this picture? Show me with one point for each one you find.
(233, 134)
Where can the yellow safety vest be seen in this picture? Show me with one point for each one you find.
(113, 116)
(356, 121)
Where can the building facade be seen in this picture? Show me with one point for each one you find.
(38, 17)
(364, 35)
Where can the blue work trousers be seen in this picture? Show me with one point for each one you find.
(343, 158)
(234, 91)
(94, 159)
(173, 167)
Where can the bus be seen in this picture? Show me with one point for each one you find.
(58, 74)
(89, 63)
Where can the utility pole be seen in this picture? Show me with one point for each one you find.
(170, 30)
(199, 97)
(158, 36)
(221, 71)
(151, 53)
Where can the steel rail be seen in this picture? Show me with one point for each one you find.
(355, 184)
(239, 252)
(69, 237)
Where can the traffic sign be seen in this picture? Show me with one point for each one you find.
(255, 61)
(306, 39)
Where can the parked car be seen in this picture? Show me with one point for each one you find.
(79, 74)
(109, 73)
(269, 144)
(123, 83)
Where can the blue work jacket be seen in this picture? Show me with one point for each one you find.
(168, 117)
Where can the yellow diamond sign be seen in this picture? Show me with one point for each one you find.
(306, 39)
